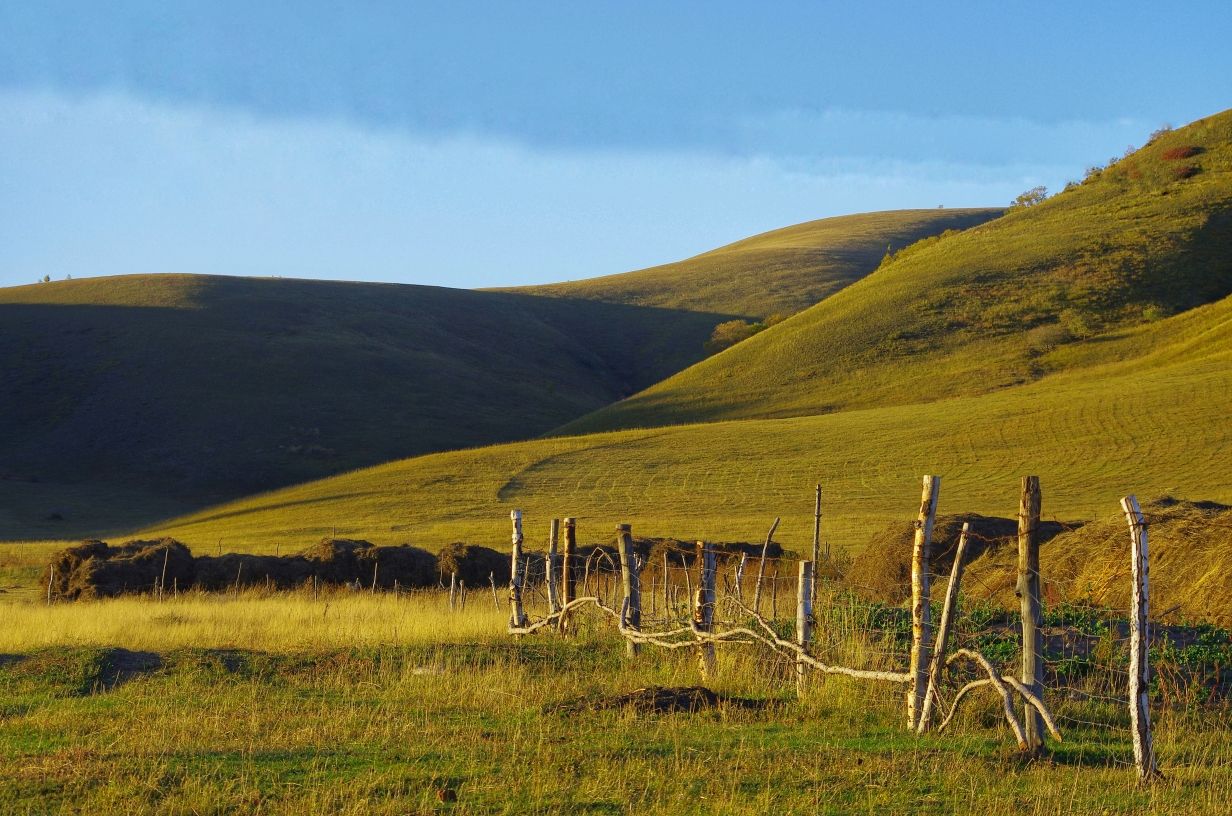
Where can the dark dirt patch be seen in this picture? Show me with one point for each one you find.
(660, 700)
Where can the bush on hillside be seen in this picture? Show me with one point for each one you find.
(731, 332)
(1181, 152)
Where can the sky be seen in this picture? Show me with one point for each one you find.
(486, 144)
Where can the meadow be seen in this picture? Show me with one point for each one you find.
(349, 702)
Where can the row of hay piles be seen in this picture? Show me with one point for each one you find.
(95, 569)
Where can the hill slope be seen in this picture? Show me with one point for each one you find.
(1151, 423)
(782, 271)
(203, 387)
(999, 305)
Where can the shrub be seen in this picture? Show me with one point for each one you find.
(1185, 171)
(1181, 152)
(729, 333)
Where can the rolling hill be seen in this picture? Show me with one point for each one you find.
(134, 398)
(997, 306)
(189, 389)
(779, 272)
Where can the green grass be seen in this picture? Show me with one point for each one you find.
(383, 730)
(782, 271)
(996, 306)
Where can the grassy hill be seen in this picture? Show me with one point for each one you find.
(782, 271)
(997, 306)
(1153, 422)
(125, 399)
(141, 397)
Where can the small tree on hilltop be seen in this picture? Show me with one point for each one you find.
(1031, 197)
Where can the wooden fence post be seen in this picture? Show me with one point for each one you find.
(631, 617)
(1028, 592)
(517, 616)
(921, 613)
(804, 619)
(703, 606)
(567, 584)
(1140, 643)
(761, 567)
(943, 630)
(816, 541)
(553, 585)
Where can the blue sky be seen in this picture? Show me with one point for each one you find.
(481, 144)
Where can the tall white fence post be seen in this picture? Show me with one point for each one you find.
(804, 620)
(1140, 643)
(921, 612)
(517, 616)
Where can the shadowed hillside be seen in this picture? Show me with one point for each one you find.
(194, 387)
(782, 271)
(996, 306)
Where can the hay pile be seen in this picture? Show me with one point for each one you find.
(1190, 546)
(882, 570)
(473, 564)
(95, 570)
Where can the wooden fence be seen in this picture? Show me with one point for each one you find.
(676, 603)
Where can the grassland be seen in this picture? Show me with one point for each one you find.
(779, 272)
(350, 703)
(990, 308)
(1152, 423)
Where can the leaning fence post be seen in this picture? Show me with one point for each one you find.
(943, 630)
(804, 619)
(632, 609)
(1028, 591)
(553, 591)
(761, 567)
(703, 607)
(517, 616)
(567, 584)
(816, 539)
(921, 552)
(1140, 643)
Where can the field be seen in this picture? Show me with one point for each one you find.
(725, 481)
(356, 703)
